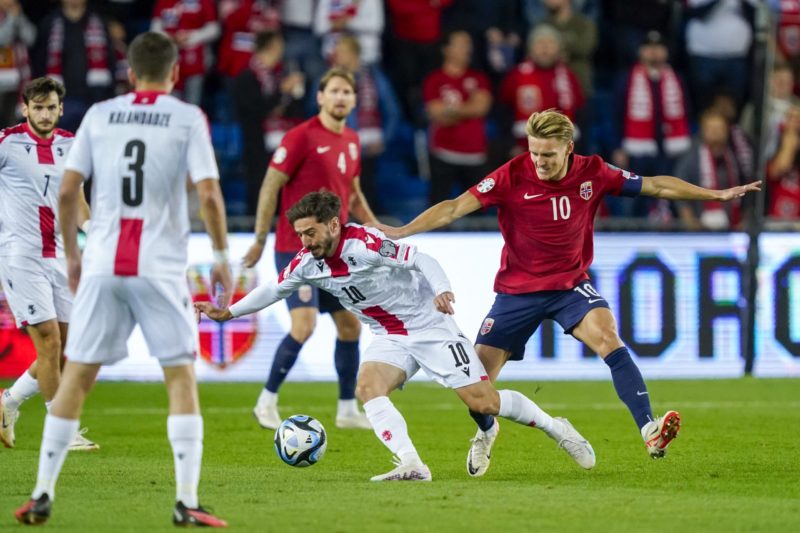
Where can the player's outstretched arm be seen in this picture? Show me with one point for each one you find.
(213, 207)
(68, 199)
(437, 278)
(267, 204)
(672, 188)
(434, 217)
(255, 300)
(214, 313)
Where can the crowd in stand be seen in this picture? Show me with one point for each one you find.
(445, 86)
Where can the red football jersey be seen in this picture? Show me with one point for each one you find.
(468, 137)
(548, 227)
(314, 158)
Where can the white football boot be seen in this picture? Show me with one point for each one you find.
(81, 443)
(267, 415)
(8, 417)
(573, 443)
(660, 432)
(480, 452)
(357, 420)
(409, 472)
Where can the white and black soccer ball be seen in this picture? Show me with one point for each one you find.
(300, 440)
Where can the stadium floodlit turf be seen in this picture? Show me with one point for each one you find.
(735, 466)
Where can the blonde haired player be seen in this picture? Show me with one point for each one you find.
(139, 149)
(33, 271)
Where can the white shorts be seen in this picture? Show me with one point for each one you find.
(108, 307)
(442, 351)
(36, 289)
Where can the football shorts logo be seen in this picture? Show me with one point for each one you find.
(487, 326)
(586, 190)
(280, 155)
(353, 149)
(388, 249)
(486, 185)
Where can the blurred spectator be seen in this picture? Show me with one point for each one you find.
(269, 102)
(457, 101)
(542, 81)
(654, 121)
(578, 40)
(738, 141)
(788, 35)
(711, 163)
(193, 25)
(241, 21)
(73, 47)
(375, 117)
(627, 23)
(718, 38)
(362, 18)
(17, 33)
(781, 98)
(303, 48)
(783, 171)
(536, 11)
(117, 33)
(416, 26)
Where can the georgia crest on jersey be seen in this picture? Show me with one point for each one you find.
(30, 178)
(372, 277)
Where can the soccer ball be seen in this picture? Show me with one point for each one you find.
(300, 440)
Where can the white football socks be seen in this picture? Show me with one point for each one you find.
(22, 389)
(267, 398)
(390, 427)
(522, 410)
(185, 434)
(347, 408)
(58, 433)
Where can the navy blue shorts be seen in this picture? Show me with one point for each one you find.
(515, 317)
(307, 295)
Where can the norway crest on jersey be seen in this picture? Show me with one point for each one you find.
(222, 344)
(586, 190)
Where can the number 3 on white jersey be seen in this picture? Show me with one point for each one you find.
(341, 163)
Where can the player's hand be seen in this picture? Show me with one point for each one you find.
(390, 231)
(214, 313)
(741, 190)
(74, 272)
(221, 275)
(253, 255)
(444, 302)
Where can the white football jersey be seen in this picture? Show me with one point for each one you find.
(139, 149)
(30, 178)
(374, 278)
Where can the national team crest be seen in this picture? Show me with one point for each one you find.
(353, 149)
(586, 190)
(222, 344)
(487, 326)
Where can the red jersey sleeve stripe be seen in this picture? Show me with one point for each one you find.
(292, 265)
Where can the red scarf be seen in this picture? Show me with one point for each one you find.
(368, 111)
(789, 28)
(15, 67)
(274, 126)
(535, 89)
(639, 138)
(710, 180)
(96, 42)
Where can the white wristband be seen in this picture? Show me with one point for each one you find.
(86, 225)
(221, 257)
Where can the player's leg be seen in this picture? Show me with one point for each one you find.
(80, 442)
(46, 338)
(25, 387)
(346, 358)
(303, 308)
(163, 311)
(598, 330)
(60, 427)
(386, 366)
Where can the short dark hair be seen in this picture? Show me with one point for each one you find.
(265, 39)
(337, 72)
(323, 205)
(152, 55)
(40, 88)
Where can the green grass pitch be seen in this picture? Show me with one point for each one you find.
(735, 467)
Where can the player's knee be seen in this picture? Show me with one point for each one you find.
(485, 404)
(50, 346)
(350, 332)
(302, 331)
(609, 341)
(368, 389)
